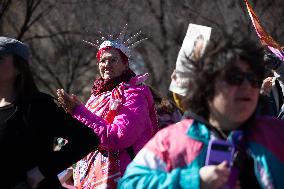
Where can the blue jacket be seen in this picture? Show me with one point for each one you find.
(172, 158)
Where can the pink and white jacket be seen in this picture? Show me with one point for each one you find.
(134, 122)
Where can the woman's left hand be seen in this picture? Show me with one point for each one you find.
(68, 102)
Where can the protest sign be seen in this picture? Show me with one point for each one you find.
(193, 47)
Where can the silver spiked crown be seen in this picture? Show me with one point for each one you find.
(126, 45)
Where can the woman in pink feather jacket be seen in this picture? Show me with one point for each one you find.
(120, 111)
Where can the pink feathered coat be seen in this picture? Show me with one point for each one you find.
(134, 124)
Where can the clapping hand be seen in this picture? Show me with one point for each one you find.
(68, 102)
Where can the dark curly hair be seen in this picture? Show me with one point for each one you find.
(215, 64)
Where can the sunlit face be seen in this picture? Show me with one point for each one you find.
(111, 65)
(233, 104)
(8, 72)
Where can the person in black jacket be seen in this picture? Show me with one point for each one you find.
(29, 122)
(272, 90)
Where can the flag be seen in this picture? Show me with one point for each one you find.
(264, 37)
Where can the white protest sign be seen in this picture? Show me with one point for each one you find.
(193, 47)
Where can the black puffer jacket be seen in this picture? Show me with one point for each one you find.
(26, 140)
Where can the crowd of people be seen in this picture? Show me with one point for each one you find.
(127, 135)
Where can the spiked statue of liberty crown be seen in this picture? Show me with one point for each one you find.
(121, 42)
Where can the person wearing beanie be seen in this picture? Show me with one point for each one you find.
(29, 122)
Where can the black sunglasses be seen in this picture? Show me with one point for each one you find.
(237, 78)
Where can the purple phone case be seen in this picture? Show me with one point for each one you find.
(219, 151)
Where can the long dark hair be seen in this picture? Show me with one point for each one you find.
(214, 65)
(24, 84)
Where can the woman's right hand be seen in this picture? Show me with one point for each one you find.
(68, 102)
(214, 176)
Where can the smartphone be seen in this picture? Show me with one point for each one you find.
(219, 151)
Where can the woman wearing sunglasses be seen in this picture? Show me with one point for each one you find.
(222, 104)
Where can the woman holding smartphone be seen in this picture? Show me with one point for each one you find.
(222, 104)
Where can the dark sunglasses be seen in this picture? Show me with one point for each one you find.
(237, 78)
